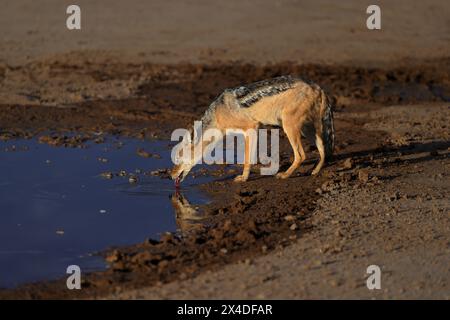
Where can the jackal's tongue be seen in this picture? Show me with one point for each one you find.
(177, 182)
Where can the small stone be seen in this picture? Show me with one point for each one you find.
(142, 153)
(325, 186)
(293, 227)
(167, 237)
(348, 163)
(163, 264)
(363, 176)
(289, 218)
(113, 257)
(375, 180)
(183, 276)
(132, 179)
(107, 175)
(60, 232)
(335, 283)
(122, 173)
(159, 172)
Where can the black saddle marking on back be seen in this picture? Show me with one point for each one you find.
(250, 94)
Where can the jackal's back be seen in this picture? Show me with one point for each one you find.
(250, 94)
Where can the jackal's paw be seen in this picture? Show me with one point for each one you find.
(315, 171)
(240, 178)
(282, 175)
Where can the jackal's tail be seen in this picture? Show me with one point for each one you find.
(326, 110)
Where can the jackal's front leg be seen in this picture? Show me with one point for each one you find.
(247, 160)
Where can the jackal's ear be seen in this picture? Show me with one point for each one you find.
(229, 99)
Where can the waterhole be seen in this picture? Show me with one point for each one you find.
(59, 205)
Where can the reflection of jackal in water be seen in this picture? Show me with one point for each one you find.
(187, 216)
(284, 101)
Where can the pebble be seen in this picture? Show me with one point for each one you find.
(363, 176)
(348, 163)
(113, 257)
(289, 218)
(122, 173)
(107, 175)
(335, 283)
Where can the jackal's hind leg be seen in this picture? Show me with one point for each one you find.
(320, 147)
(293, 133)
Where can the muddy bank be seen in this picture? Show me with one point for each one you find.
(395, 217)
(247, 220)
(58, 95)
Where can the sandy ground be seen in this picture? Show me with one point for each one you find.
(146, 67)
(322, 31)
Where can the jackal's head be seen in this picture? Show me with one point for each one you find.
(180, 171)
(189, 151)
(184, 159)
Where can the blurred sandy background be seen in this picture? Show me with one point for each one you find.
(247, 30)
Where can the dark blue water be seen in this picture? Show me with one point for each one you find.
(56, 209)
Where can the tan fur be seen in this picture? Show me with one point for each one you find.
(290, 109)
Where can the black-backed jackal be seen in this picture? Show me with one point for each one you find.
(285, 101)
